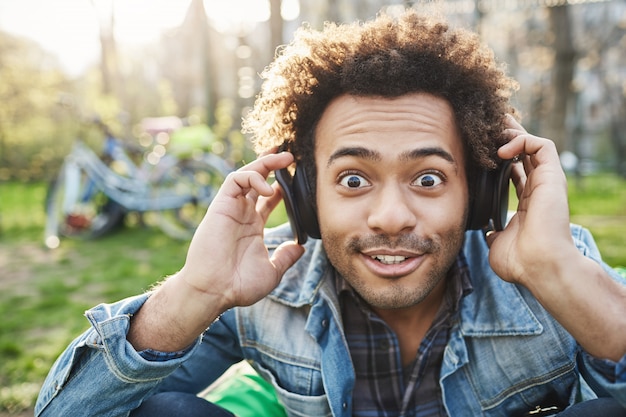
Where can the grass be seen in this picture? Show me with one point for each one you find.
(599, 203)
(44, 293)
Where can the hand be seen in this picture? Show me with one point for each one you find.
(227, 254)
(227, 262)
(536, 250)
(538, 236)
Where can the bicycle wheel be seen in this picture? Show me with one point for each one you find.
(198, 179)
(76, 207)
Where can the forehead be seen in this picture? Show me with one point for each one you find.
(389, 125)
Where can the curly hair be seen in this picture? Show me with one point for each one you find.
(385, 57)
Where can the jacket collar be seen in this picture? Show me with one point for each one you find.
(494, 307)
(497, 308)
(301, 283)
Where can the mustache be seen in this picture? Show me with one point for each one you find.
(408, 242)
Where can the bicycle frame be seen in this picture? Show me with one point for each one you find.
(89, 196)
(133, 193)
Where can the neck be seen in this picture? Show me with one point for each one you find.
(410, 324)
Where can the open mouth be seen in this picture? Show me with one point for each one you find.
(387, 265)
(389, 259)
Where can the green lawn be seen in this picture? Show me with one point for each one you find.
(599, 203)
(43, 293)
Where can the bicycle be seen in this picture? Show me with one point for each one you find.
(91, 194)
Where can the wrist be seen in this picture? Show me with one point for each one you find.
(173, 316)
(581, 296)
(547, 268)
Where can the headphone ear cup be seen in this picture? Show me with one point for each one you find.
(500, 200)
(480, 202)
(491, 198)
(283, 177)
(297, 198)
(306, 206)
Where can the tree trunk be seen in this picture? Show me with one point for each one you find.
(276, 27)
(618, 138)
(563, 74)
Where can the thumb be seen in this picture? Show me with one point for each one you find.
(286, 255)
(491, 236)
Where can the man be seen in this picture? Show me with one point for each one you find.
(397, 310)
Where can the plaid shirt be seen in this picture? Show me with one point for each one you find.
(383, 386)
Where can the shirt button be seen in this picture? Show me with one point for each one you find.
(344, 405)
(324, 323)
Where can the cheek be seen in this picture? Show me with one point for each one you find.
(446, 213)
(334, 213)
(338, 217)
(452, 209)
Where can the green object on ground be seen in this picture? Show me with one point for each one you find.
(245, 394)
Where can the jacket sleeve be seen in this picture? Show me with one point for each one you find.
(216, 353)
(100, 373)
(607, 378)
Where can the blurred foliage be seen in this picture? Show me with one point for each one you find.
(42, 111)
(28, 88)
(195, 72)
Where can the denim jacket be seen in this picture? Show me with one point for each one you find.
(506, 355)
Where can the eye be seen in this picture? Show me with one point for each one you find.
(353, 181)
(428, 180)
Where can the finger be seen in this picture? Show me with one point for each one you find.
(268, 163)
(542, 150)
(518, 176)
(252, 195)
(511, 123)
(265, 205)
(254, 175)
(528, 164)
(491, 236)
(270, 151)
(242, 183)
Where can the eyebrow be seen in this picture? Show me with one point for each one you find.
(358, 152)
(424, 152)
(374, 156)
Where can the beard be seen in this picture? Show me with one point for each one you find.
(440, 253)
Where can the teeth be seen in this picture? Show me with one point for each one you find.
(389, 259)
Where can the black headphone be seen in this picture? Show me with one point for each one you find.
(488, 207)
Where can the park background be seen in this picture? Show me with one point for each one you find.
(64, 63)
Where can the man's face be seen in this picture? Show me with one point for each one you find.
(391, 194)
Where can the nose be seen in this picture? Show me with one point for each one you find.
(392, 210)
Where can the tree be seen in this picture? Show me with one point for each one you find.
(108, 49)
(30, 85)
(565, 56)
(276, 26)
(605, 62)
